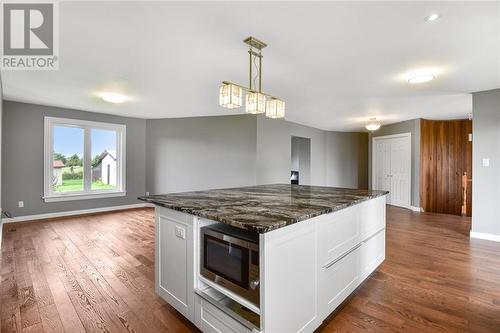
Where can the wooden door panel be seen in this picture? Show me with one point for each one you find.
(445, 154)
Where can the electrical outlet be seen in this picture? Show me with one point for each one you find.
(20, 204)
(147, 193)
(486, 162)
(180, 232)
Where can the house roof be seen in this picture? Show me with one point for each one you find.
(58, 164)
(111, 153)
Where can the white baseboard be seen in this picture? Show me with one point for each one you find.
(417, 209)
(481, 235)
(72, 213)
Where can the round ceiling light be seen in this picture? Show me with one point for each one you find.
(432, 17)
(421, 78)
(113, 97)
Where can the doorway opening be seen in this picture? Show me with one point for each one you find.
(300, 161)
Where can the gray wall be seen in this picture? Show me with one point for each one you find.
(22, 159)
(337, 158)
(347, 159)
(409, 126)
(186, 154)
(486, 180)
(274, 151)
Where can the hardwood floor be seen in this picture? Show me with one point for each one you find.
(95, 274)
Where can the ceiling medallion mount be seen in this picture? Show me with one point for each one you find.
(256, 101)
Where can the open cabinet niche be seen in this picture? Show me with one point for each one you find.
(300, 161)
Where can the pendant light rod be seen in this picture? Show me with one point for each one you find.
(260, 71)
(250, 66)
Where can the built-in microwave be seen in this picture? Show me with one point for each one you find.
(230, 258)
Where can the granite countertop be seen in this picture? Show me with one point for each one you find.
(263, 208)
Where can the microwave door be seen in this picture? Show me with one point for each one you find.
(226, 260)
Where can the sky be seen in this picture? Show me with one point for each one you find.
(69, 141)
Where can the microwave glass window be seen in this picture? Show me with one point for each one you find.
(227, 260)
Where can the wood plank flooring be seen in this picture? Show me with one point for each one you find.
(96, 274)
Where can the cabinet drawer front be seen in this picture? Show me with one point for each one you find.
(338, 281)
(337, 234)
(372, 253)
(214, 320)
(371, 216)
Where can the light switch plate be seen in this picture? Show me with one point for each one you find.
(180, 232)
(486, 162)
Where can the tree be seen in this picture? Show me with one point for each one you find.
(60, 157)
(95, 160)
(74, 160)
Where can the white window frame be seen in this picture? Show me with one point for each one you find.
(49, 195)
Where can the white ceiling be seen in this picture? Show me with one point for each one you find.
(334, 63)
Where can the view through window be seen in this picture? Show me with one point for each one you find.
(83, 157)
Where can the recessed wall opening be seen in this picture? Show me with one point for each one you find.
(301, 161)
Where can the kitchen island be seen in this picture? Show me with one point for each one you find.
(305, 250)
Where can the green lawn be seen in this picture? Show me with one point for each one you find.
(75, 169)
(72, 185)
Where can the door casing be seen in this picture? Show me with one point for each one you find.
(374, 164)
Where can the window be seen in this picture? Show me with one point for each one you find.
(83, 159)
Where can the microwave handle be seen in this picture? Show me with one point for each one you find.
(254, 284)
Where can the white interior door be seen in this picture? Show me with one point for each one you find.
(392, 168)
(383, 166)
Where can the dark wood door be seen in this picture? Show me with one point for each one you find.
(445, 156)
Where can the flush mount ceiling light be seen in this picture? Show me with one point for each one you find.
(421, 77)
(432, 17)
(113, 97)
(256, 101)
(372, 125)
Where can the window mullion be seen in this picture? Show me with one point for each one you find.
(87, 160)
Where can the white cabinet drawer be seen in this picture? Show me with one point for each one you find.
(213, 320)
(371, 254)
(371, 216)
(337, 282)
(338, 233)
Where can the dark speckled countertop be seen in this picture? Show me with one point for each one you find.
(263, 208)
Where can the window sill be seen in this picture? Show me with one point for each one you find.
(84, 196)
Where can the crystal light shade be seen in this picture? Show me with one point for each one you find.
(275, 108)
(230, 96)
(255, 103)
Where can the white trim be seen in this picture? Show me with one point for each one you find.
(73, 213)
(417, 209)
(481, 235)
(84, 196)
(87, 126)
(400, 135)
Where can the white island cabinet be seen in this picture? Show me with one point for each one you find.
(307, 269)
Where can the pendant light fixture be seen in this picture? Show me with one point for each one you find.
(256, 101)
(372, 125)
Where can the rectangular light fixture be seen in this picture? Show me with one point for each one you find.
(275, 108)
(230, 96)
(255, 103)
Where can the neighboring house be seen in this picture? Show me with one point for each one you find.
(105, 170)
(57, 167)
